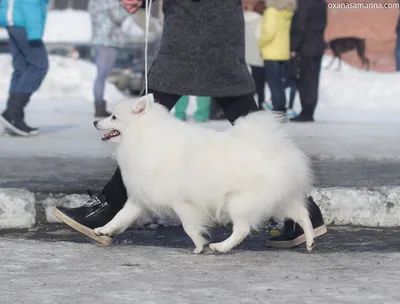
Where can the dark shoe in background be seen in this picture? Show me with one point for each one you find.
(13, 117)
(100, 109)
(302, 118)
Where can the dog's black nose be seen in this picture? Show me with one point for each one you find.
(95, 123)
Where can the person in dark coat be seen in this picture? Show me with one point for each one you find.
(397, 50)
(307, 41)
(202, 54)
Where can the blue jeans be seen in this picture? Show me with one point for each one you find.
(274, 75)
(29, 60)
(397, 53)
(105, 60)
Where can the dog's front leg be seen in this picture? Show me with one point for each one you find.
(122, 220)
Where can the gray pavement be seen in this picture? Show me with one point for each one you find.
(349, 265)
(74, 174)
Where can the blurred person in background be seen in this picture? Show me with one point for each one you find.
(397, 51)
(292, 76)
(307, 43)
(202, 113)
(253, 11)
(274, 44)
(24, 22)
(107, 17)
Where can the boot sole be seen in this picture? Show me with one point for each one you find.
(104, 240)
(321, 230)
(15, 131)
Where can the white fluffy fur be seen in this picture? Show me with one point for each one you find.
(243, 176)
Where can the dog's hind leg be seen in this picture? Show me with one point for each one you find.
(242, 219)
(240, 231)
(122, 220)
(193, 224)
(299, 214)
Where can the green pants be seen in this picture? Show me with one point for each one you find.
(203, 108)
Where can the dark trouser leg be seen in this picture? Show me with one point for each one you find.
(114, 190)
(308, 84)
(274, 73)
(18, 60)
(105, 60)
(397, 53)
(259, 81)
(237, 106)
(36, 60)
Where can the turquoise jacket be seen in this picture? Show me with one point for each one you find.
(30, 14)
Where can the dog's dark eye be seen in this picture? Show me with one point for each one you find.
(113, 117)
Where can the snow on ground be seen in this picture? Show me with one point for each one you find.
(67, 131)
(57, 272)
(67, 79)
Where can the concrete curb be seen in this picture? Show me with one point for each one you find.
(377, 207)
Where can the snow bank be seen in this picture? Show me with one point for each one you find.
(74, 26)
(67, 79)
(378, 207)
(17, 209)
(356, 88)
(68, 26)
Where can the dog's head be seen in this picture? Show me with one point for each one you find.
(126, 114)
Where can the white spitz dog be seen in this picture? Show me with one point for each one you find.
(242, 176)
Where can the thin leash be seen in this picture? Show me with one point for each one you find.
(148, 15)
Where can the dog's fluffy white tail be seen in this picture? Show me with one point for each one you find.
(265, 132)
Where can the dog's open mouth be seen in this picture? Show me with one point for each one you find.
(111, 134)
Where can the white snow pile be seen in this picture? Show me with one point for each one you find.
(74, 26)
(341, 206)
(67, 79)
(17, 208)
(356, 88)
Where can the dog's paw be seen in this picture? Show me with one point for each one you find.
(103, 231)
(198, 250)
(310, 248)
(218, 247)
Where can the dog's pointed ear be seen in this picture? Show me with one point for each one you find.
(142, 104)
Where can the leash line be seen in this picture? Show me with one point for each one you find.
(148, 14)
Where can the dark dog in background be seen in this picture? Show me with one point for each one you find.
(340, 46)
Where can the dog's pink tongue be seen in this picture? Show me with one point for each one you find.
(109, 134)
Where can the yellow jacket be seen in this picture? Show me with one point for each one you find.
(274, 41)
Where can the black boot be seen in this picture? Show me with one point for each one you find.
(100, 109)
(13, 117)
(304, 116)
(292, 234)
(95, 213)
